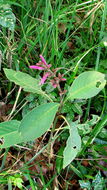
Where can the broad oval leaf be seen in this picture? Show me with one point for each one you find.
(73, 145)
(86, 85)
(24, 80)
(7, 18)
(9, 134)
(38, 121)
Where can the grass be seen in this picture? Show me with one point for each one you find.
(69, 34)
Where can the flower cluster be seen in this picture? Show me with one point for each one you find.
(48, 73)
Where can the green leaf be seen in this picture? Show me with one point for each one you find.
(85, 184)
(16, 181)
(34, 124)
(8, 127)
(59, 160)
(86, 127)
(24, 80)
(9, 133)
(73, 145)
(98, 183)
(7, 18)
(38, 121)
(77, 108)
(86, 85)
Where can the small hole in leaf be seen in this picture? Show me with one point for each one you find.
(97, 119)
(74, 147)
(2, 141)
(49, 17)
(98, 84)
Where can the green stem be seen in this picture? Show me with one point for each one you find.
(4, 159)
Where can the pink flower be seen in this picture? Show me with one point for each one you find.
(42, 65)
(63, 79)
(60, 77)
(55, 82)
(43, 79)
(36, 67)
(43, 60)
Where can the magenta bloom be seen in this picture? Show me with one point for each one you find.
(61, 77)
(36, 67)
(56, 80)
(43, 60)
(54, 83)
(42, 65)
(43, 79)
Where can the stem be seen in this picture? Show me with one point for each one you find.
(50, 146)
(42, 149)
(14, 107)
(4, 159)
